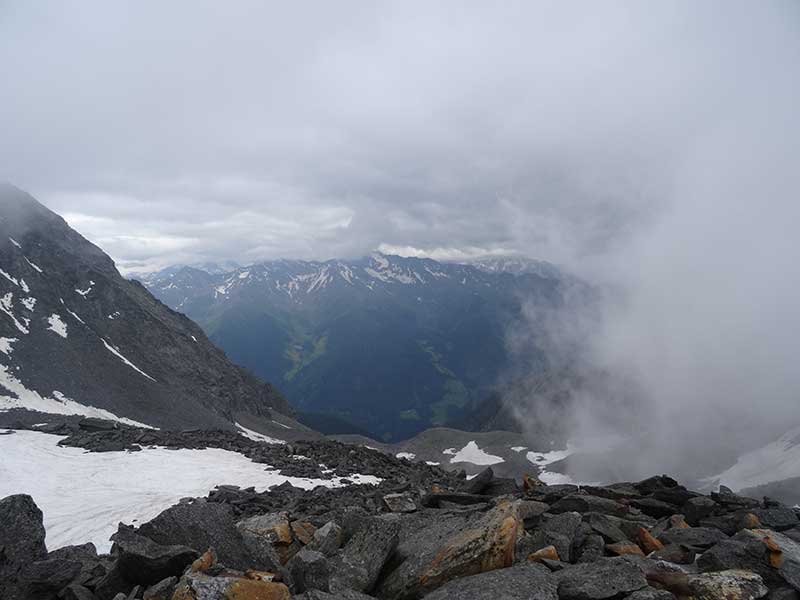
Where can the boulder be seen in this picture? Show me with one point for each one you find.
(697, 537)
(624, 548)
(647, 542)
(592, 549)
(340, 595)
(201, 525)
(520, 582)
(675, 553)
(604, 578)
(199, 586)
(479, 483)
(696, 509)
(777, 518)
(45, 577)
(546, 553)
(327, 539)
(269, 537)
(92, 566)
(309, 571)
(653, 507)
(21, 540)
(655, 484)
(727, 585)
(558, 531)
(436, 548)
(142, 561)
(400, 503)
(606, 526)
(303, 531)
(76, 591)
(358, 564)
(650, 593)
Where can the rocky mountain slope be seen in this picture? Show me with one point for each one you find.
(417, 532)
(78, 338)
(391, 345)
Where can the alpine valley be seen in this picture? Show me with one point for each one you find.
(384, 345)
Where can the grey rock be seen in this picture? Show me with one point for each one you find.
(783, 593)
(77, 592)
(605, 578)
(606, 526)
(675, 553)
(650, 593)
(479, 483)
(698, 508)
(558, 531)
(143, 561)
(653, 507)
(50, 575)
(400, 503)
(359, 563)
(779, 518)
(655, 484)
(327, 539)
(340, 595)
(112, 583)
(592, 549)
(202, 525)
(162, 590)
(583, 503)
(697, 537)
(21, 541)
(310, 571)
(525, 581)
(727, 585)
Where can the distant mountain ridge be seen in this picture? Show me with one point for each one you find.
(78, 338)
(391, 344)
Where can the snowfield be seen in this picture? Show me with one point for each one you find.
(773, 462)
(84, 495)
(471, 453)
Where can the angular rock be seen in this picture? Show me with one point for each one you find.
(592, 549)
(584, 503)
(436, 549)
(142, 561)
(606, 526)
(340, 595)
(655, 484)
(479, 483)
(650, 593)
(778, 518)
(303, 531)
(45, 577)
(531, 512)
(654, 508)
(358, 564)
(558, 531)
(199, 586)
(201, 525)
(624, 549)
(521, 582)
(77, 592)
(502, 486)
(647, 542)
(400, 503)
(310, 571)
(697, 537)
(267, 537)
(327, 539)
(546, 553)
(605, 578)
(727, 585)
(696, 509)
(162, 590)
(21, 540)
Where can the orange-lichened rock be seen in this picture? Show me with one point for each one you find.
(546, 553)
(647, 542)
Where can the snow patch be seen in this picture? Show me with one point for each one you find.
(85, 292)
(33, 265)
(5, 345)
(130, 487)
(57, 325)
(281, 424)
(432, 463)
(519, 448)
(29, 303)
(58, 404)
(773, 462)
(471, 453)
(6, 306)
(255, 436)
(9, 277)
(118, 354)
(15, 242)
(406, 455)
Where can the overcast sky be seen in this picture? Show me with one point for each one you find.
(189, 131)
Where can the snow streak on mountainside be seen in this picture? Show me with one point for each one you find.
(390, 344)
(77, 338)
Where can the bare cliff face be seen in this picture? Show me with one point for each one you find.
(78, 338)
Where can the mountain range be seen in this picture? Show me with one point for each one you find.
(78, 338)
(382, 345)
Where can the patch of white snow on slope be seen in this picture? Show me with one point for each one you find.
(519, 448)
(545, 458)
(257, 437)
(15, 242)
(471, 453)
(6, 306)
(773, 462)
(59, 404)
(406, 455)
(117, 353)
(132, 487)
(29, 303)
(5, 345)
(85, 292)
(57, 325)
(32, 264)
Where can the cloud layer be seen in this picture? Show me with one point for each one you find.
(185, 131)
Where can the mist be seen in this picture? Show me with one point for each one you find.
(649, 149)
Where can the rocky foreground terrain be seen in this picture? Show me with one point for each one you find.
(421, 532)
